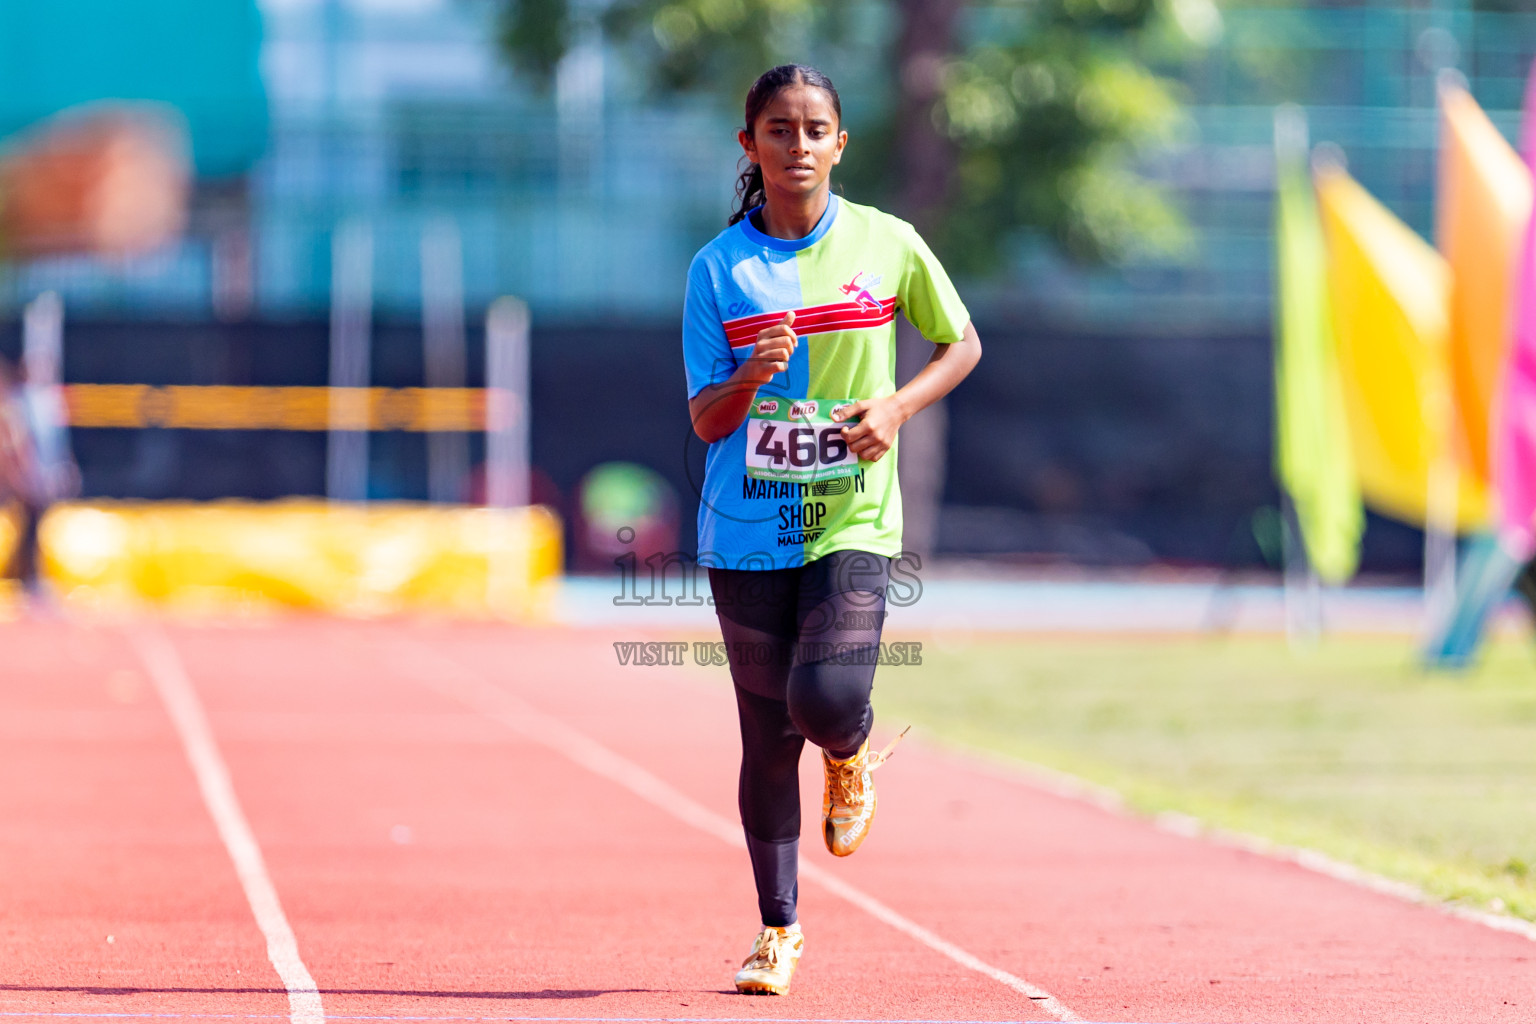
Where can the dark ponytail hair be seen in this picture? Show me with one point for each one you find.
(749, 187)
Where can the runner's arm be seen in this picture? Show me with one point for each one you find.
(718, 409)
(880, 418)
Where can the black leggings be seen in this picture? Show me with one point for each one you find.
(802, 645)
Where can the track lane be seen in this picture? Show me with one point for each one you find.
(475, 690)
(529, 885)
(1120, 920)
(102, 833)
(531, 889)
(178, 695)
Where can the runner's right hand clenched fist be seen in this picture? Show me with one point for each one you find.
(774, 347)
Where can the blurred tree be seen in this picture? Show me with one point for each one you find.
(1003, 117)
(1007, 115)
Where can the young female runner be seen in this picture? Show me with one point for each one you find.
(789, 342)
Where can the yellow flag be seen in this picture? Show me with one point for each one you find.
(1390, 293)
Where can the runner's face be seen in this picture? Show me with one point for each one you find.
(796, 141)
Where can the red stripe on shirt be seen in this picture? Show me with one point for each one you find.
(836, 316)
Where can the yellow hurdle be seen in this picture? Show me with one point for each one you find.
(233, 557)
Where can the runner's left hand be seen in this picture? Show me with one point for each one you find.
(873, 435)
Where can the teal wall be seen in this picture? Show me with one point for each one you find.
(197, 55)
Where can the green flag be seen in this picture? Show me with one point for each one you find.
(1312, 449)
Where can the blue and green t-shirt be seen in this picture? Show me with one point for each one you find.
(782, 490)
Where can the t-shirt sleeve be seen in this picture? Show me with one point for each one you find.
(707, 357)
(927, 296)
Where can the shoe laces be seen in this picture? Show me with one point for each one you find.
(850, 773)
(766, 954)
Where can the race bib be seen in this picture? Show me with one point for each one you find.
(796, 439)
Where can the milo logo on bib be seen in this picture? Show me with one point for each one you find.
(798, 440)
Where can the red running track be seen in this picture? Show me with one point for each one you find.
(427, 806)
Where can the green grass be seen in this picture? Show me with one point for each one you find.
(1348, 749)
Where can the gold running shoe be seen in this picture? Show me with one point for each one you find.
(772, 963)
(848, 801)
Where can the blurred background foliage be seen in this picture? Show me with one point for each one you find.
(1097, 165)
(1039, 111)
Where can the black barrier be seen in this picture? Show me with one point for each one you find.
(1064, 446)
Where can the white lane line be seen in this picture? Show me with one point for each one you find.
(1191, 827)
(181, 702)
(1071, 787)
(461, 683)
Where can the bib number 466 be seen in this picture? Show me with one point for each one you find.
(798, 440)
(801, 447)
(789, 451)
